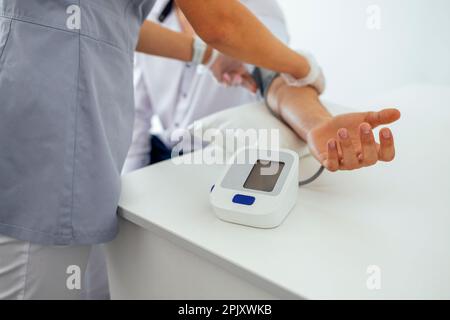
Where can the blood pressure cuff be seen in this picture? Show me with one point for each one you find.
(264, 79)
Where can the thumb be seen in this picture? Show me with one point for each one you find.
(382, 117)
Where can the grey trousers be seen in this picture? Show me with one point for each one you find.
(31, 271)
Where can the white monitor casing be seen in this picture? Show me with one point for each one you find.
(234, 203)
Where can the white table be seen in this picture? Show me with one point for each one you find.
(395, 216)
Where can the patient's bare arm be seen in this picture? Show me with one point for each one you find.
(344, 142)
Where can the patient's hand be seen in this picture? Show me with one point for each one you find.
(347, 142)
(232, 72)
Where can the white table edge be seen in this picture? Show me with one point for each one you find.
(235, 269)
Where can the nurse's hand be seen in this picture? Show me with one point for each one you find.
(232, 72)
(347, 142)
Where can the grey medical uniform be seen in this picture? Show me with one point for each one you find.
(66, 116)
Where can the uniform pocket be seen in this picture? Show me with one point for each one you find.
(5, 27)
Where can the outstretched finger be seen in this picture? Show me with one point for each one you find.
(387, 147)
(332, 161)
(369, 155)
(349, 160)
(382, 117)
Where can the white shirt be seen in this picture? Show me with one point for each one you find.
(178, 93)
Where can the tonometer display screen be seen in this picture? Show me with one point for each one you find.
(264, 176)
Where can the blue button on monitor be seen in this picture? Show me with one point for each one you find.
(244, 200)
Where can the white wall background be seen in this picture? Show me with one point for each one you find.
(412, 46)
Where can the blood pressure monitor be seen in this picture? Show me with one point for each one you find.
(258, 188)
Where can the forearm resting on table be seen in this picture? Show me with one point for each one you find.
(160, 41)
(232, 29)
(343, 142)
(284, 101)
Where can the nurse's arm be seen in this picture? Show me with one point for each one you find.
(344, 142)
(160, 41)
(157, 40)
(231, 28)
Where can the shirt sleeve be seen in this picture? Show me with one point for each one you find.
(271, 15)
(139, 153)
